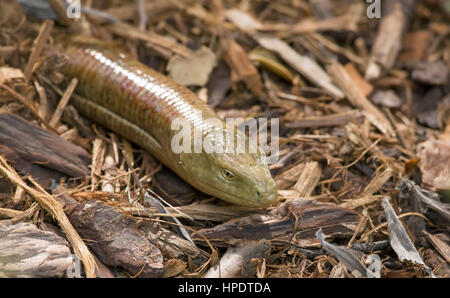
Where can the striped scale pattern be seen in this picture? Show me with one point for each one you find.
(135, 92)
(141, 105)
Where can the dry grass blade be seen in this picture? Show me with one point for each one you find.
(63, 102)
(56, 210)
(29, 106)
(128, 31)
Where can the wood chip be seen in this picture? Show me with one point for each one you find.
(358, 100)
(389, 37)
(415, 46)
(434, 163)
(41, 147)
(387, 98)
(434, 73)
(307, 217)
(328, 120)
(400, 241)
(308, 179)
(242, 67)
(117, 243)
(38, 46)
(365, 87)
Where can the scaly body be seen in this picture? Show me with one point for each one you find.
(140, 104)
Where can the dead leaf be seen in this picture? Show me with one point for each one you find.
(192, 71)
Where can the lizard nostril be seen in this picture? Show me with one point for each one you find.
(258, 193)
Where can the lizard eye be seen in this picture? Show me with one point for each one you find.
(227, 174)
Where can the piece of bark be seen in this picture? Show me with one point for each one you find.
(241, 66)
(425, 107)
(359, 100)
(101, 270)
(350, 259)
(27, 252)
(50, 204)
(295, 220)
(435, 261)
(44, 176)
(308, 179)
(425, 202)
(173, 189)
(9, 213)
(38, 46)
(39, 146)
(386, 98)
(115, 239)
(388, 41)
(172, 245)
(198, 211)
(327, 120)
(415, 46)
(434, 163)
(432, 73)
(400, 241)
(239, 261)
(441, 245)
